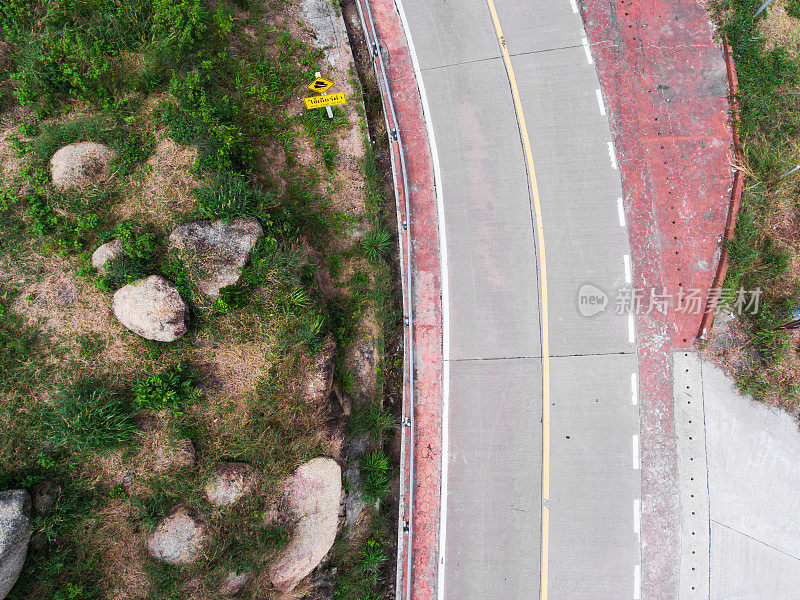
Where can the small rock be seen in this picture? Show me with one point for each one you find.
(217, 251)
(79, 165)
(312, 495)
(106, 252)
(15, 533)
(152, 308)
(230, 482)
(320, 376)
(233, 583)
(169, 458)
(178, 539)
(44, 495)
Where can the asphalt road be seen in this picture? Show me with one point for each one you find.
(492, 534)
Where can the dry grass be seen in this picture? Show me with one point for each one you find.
(780, 30)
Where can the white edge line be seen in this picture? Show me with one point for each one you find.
(631, 329)
(637, 582)
(574, 6)
(612, 155)
(626, 259)
(621, 209)
(600, 101)
(588, 51)
(637, 516)
(437, 182)
(635, 448)
(634, 389)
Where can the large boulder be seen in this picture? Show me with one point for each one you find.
(178, 539)
(216, 251)
(15, 533)
(229, 483)
(80, 165)
(106, 252)
(312, 496)
(152, 308)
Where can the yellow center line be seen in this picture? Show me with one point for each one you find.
(526, 142)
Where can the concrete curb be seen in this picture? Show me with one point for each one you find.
(736, 191)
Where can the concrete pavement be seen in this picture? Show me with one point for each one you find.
(491, 538)
(740, 490)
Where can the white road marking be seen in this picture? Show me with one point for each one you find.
(637, 582)
(588, 50)
(626, 258)
(600, 101)
(621, 210)
(631, 329)
(634, 389)
(574, 6)
(612, 155)
(637, 516)
(635, 444)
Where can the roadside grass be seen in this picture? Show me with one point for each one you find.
(765, 249)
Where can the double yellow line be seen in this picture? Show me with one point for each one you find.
(526, 142)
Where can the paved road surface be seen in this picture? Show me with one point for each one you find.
(740, 489)
(492, 533)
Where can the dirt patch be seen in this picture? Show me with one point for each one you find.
(780, 29)
(162, 187)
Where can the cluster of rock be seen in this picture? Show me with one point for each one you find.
(311, 499)
(217, 252)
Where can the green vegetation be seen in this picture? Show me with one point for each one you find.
(762, 249)
(173, 390)
(87, 418)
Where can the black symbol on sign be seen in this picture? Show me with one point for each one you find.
(320, 85)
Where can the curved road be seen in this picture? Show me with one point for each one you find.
(535, 505)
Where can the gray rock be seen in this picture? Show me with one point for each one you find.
(178, 539)
(354, 503)
(15, 533)
(80, 165)
(106, 252)
(152, 308)
(233, 583)
(230, 482)
(216, 251)
(312, 496)
(319, 378)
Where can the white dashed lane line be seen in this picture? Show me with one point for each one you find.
(600, 102)
(637, 582)
(612, 155)
(574, 6)
(626, 259)
(588, 51)
(621, 210)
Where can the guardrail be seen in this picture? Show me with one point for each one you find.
(405, 537)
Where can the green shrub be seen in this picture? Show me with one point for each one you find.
(87, 418)
(136, 261)
(180, 24)
(375, 476)
(173, 389)
(377, 243)
(373, 420)
(228, 195)
(208, 118)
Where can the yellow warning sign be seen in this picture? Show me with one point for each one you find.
(321, 85)
(320, 101)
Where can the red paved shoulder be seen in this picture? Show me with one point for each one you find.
(665, 84)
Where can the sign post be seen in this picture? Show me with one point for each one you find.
(317, 85)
